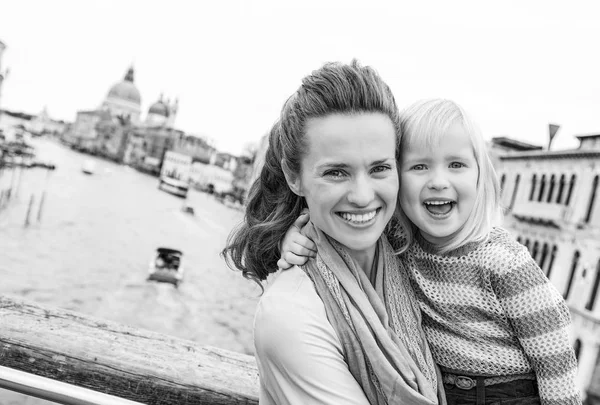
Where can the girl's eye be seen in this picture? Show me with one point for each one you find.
(418, 167)
(456, 165)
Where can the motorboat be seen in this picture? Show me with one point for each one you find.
(166, 266)
(173, 186)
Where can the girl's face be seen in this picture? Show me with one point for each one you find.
(349, 177)
(439, 185)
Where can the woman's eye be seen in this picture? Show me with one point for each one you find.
(334, 173)
(382, 168)
(418, 167)
(456, 165)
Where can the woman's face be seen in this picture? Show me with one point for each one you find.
(349, 177)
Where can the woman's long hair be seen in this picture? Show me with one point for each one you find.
(272, 208)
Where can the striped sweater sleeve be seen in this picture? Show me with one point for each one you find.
(540, 318)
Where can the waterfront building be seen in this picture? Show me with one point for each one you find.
(42, 124)
(552, 207)
(83, 133)
(2, 72)
(123, 99)
(116, 131)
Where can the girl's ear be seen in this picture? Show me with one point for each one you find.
(292, 179)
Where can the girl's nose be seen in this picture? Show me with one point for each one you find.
(438, 181)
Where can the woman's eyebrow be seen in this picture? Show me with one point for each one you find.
(332, 165)
(381, 161)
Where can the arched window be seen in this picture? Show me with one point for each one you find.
(542, 187)
(592, 200)
(502, 180)
(577, 348)
(519, 239)
(594, 294)
(527, 242)
(551, 189)
(534, 251)
(533, 184)
(561, 189)
(574, 264)
(551, 262)
(571, 186)
(514, 194)
(543, 256)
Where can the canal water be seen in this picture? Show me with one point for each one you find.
(87, 248)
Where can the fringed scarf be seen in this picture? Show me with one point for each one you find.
(379, 327)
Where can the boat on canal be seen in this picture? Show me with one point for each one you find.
(173, 186)
(166, 266)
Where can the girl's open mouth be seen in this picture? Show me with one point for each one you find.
(439, 207)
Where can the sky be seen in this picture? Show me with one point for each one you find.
(516, 66)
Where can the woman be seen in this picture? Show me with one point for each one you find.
(345, 328)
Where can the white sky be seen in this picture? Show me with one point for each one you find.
(515, 65)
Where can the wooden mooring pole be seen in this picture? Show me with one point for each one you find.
(39, 215)
(120, 360)
(31, 200)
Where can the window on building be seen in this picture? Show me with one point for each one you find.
(544, 255)
(588, 216)
(533, 184)
(527, 242)
(534, 251)
(594, 293)
(542, 188)
(551, 189)
(561, 189)
(519, 239)
(514, 193)
(577, 348)
(574, 264)
(551, 262)
(502, 181)
(570, 192)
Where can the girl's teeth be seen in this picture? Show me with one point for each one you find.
(438, 207)
(358, 217)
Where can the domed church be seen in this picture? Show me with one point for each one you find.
(162, 113)
(123, 99)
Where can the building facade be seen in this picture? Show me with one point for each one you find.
(552, 207)
(2, 72)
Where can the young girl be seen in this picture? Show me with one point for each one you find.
(496, 326)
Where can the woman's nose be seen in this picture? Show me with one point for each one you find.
(361, 192)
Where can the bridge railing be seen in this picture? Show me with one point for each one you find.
(114, 359)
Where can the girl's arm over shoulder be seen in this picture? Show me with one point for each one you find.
(540, 319)
(298, 353)
(296, 248)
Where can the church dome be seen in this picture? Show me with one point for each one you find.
(159, 108)
(126, 90)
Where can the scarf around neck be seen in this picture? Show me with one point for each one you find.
(379, 326)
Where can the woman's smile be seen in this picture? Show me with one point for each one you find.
(357, 218)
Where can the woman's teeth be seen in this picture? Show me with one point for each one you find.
(358, 218)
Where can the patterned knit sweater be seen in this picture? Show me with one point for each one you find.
(488, 309)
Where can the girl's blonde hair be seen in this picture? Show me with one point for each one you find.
(423, 124)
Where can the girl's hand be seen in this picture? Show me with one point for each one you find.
(296, 248)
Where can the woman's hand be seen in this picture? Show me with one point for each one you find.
(296, 248)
